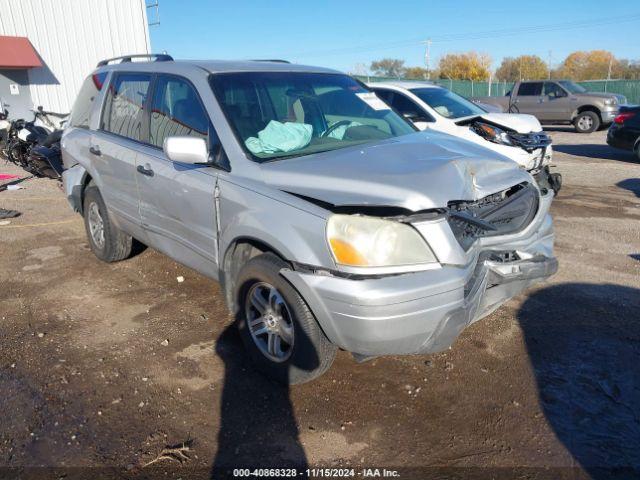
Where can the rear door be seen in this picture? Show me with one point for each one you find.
(177, 201)
(115, 145)
(529, 99)
(77, 135)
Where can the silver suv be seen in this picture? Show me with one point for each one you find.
(329, 221)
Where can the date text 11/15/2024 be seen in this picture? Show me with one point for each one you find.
(316, 473)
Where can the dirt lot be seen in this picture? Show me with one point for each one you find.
(547, 387)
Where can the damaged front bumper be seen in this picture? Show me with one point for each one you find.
(424, 312)
(548, 181)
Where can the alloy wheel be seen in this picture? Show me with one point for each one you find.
(270, 322)
(96, 225)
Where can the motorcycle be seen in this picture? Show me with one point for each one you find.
(45, 159)
(34, 147)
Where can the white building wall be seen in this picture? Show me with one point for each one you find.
(71, 36)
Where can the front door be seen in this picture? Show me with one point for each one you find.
(555, 101)
(177, 201)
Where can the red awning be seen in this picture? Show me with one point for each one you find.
(17, 52)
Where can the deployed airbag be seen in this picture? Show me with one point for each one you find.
(280, 137)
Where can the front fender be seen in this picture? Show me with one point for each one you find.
(296, 234)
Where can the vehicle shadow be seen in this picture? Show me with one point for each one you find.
(584, 345)
(560, 128)
(258, 428)
(598, 151)
(630, 184)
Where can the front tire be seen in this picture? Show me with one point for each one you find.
(280, 333)
(586, 122)
(107, 242)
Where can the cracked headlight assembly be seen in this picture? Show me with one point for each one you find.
(361, 241)
(492, 133)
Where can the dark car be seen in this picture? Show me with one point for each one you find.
(625, 130)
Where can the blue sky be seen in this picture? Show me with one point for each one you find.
(342, 34)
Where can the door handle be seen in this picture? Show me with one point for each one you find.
(95, 150)
(144, 171)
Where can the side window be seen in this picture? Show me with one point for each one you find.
(530, 89)
(123, 113)
(553, 90)
(82, 107)
(406, 106)
(176, 110)
(385, 95)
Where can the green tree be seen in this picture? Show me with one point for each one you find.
(465, 66)
(388, 67)
(524, 67)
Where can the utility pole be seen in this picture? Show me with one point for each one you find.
(427, 57)
(549, 66)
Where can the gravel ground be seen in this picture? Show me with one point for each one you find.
(104, 366)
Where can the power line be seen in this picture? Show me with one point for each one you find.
(454, 37)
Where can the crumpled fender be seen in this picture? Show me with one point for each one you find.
(73, 180)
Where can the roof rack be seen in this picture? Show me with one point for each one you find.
(274, 60)
(159, 57)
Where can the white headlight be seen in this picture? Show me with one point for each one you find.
(361, 241)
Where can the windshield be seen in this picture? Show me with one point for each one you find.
(447, 103)
(572, 87)
(288, 114)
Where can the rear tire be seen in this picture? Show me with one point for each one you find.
(586, 122)
(310, 354)
(107, 242)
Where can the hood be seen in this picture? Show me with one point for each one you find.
(519, 122)
(419, 171)
(598, 95)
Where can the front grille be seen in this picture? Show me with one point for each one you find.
(502, 213)
(530, 141)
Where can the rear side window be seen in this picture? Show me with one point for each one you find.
(81, 111)
(530, 89)
(123, 112)
(176, 110)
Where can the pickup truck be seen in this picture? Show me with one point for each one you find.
(559, 102)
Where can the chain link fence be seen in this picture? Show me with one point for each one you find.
(467, 88)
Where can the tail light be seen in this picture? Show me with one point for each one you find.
(621, 118)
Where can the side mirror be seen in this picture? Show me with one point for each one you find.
(192, 150)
